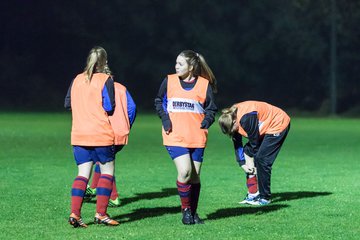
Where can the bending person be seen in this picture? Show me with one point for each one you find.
(266, 128)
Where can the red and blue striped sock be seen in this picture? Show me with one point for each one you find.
(77, 194)
(251, 183)
(114, 192)
(195, 194)
(103, 192)
(184, 190)
(96, 176)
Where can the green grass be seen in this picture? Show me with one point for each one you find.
(315, 184)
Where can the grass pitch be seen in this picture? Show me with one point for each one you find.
(315, 184)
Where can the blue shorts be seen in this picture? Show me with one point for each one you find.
(95, 154)
(196, 154)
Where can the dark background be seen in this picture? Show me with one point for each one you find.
(272, 50)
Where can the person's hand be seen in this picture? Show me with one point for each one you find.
(205, 124)
(249, 161)
(168, 131)
(247, 169)
(167, 126)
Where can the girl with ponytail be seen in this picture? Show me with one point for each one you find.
(91, 98)
(185, 104)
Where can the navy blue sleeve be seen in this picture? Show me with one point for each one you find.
(67, 103)
(131, 108)
(250, 123)
(239, 150)
(108, 96)
(161, 105)
(210, 109)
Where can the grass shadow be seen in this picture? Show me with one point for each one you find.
(276, 197)
(142, 213)
(288, 196)
(165, 192)
(238, 211)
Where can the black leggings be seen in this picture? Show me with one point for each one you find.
(265, 158)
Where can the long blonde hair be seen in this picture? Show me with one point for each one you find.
(200, 67)
(226, 120)
(96, 62)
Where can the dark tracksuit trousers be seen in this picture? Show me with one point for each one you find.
(264, 159)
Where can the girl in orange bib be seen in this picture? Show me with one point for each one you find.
(266, 128)
(185, 104)
(121, 122)
(91, 100)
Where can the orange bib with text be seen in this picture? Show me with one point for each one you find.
(186, 112)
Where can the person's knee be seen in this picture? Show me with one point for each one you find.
(184, 175)
(107, 168)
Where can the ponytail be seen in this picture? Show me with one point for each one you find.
(206, 72)
(90, 65)
(96, 62)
